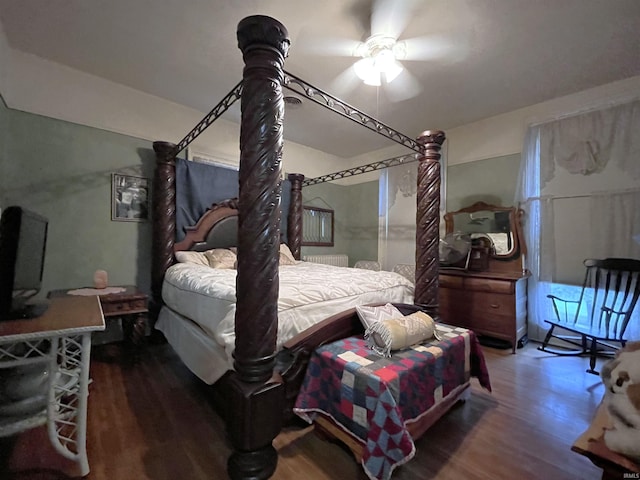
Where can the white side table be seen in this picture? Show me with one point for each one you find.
(60, 337)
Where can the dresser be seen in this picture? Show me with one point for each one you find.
(489, 303)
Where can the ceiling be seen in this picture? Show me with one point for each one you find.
(500, 54)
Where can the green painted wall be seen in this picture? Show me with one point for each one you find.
(355, 218)
(63, 171)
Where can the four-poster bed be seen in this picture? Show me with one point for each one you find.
(258, 392)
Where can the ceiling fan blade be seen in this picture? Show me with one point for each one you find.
(404, 87)
(390, 17)
(436, 47)
(344, 83)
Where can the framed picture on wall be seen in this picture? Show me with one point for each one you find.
(129, 198)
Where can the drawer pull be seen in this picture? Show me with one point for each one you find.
(494, 305)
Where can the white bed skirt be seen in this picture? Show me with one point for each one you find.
(199, 352)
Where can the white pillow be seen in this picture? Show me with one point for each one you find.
(199, 258)
(400, 333)
(286, 257)
(371, 315)
(221, 258)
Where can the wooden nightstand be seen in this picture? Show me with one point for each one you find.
(131, 306)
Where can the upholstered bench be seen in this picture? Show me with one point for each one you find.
(376, 405)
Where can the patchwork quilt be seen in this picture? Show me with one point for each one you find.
(375, 397)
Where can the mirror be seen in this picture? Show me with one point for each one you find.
(317, 227)
(501, 225)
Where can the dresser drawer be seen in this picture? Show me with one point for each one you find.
(495, 325)
(450, 281)
(499, 326)
(123, 306)
(488, 285)
(476, 304)
(454, 308)
(491, 305)
(485, 313)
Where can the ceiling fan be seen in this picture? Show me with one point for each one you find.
(380, 59)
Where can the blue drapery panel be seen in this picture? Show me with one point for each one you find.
(200, 185)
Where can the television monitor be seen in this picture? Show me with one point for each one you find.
(23, 238)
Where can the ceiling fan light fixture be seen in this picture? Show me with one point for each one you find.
(392, 71)
(379, 59)
(373, 80)
(367, 72)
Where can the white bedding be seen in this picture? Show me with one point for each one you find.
(309, 293)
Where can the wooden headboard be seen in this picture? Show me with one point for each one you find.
(222, 218)
(217, 228)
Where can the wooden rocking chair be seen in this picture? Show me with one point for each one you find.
(598, 320)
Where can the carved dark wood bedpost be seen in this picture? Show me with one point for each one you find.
(428, 220)
(257, 394)
(164, 225)
(294, 222)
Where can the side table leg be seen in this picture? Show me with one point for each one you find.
(68, 395)
(134, 328)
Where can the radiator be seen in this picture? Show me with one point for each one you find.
(336, 260)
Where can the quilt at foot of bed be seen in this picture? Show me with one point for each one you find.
(376, 399)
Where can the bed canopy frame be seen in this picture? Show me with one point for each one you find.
(255, 390)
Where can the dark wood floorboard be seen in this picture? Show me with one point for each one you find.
(153, 421)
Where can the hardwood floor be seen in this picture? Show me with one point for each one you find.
(152, 421)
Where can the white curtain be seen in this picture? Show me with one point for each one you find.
(586, 143)
(615, 227)
(538, 232)
(615, 224)
(583, 145)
